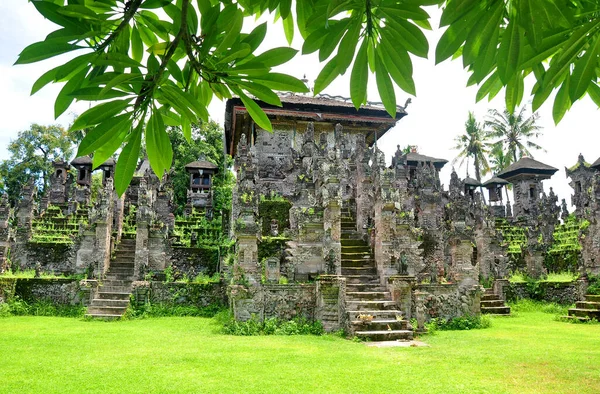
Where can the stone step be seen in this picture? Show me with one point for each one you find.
(116, 282)
(114, 289)
(124, 255)
(120, 271)
(359, 287)
(122, 264)
(358, 270)
(367, 279)
(358, 263)
(356, 249)
(490, 297)
(108, 310)
(107, 295)
(370, 305)
(367, 295)
(350, 236)
(389, 335)
(590, 313)
(592, 298)
(100, 303)
(385, 314)
(352, 242)
(355, 256)
(492, 303)
(587, 305)
(119, 277)
(578, 318)
(496, 310)
(103, 316)
(379, 325)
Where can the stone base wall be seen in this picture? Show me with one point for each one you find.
(53, 258)
(184, 294)
(194, 261)
(273, 301)
(448, 301)
(559, 292)
(55, 291)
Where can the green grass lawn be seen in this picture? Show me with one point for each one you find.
(526, 353)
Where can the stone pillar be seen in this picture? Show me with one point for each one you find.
(5, 216)
(143, 219)
(500, 288)
(332, 226)
(401, 287)
(104, 223)
(24, 213)
(331, 302)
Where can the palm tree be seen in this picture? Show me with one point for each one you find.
(514, 132)
(472, 146)
(499, 161)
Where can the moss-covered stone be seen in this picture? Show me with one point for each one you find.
(274, 209)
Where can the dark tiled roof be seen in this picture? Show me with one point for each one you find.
(201, 164)
(527, 165)
(596, 164)
(495, 181)
(109, 162)
(471, 182)
(331, 101)
(82, 160)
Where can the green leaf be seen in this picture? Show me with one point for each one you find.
(93, 94)
(64, 98)
(107, 150)
(456, 9)
(490, 84)
(283, 82)
(347, 47)
(594, 93)
(186, 128)
(314, 41)
(274, 57)
(327, 75)
(408, 36)
(585, 70)
(118, 80)
(385, 86)
(399, 65)
(562, 102)
(44, 80)
(483, 34)
(128, 159)
(99, 113)
(455, 35)
(257, 114)
(288, 28)
(514, 92)
(332, 39)
(44, 50)
(509, 52)
(530, 21)
(360, 76)
(158, 145)
(256, 37)
(234, 28)
(115, 59)
(189, 100)
(259, 91)
(103, 133)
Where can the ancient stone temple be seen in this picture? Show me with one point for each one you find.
(362, 241)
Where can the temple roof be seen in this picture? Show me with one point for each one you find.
(580, 162)
(82, 160)
(596, 164)
(109, 162)
(414, 158)
(527, 167)
(495, 181)
(372, 117)
(201, 164)
(471, 182)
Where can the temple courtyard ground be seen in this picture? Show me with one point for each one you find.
(529, 352)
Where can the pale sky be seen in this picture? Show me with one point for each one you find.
(435, 117)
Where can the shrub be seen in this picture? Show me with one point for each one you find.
(149, 310)
(458, 323)
(527, 305)
(594, 285)
(272, 326)
(18, 307)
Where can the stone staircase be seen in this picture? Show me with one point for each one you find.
(114, 292)
(492, 304)
(586, 310)
(364, 294)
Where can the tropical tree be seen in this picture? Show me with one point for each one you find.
(514, 131)
(31, 156)
(472, 146)
(150, 69)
